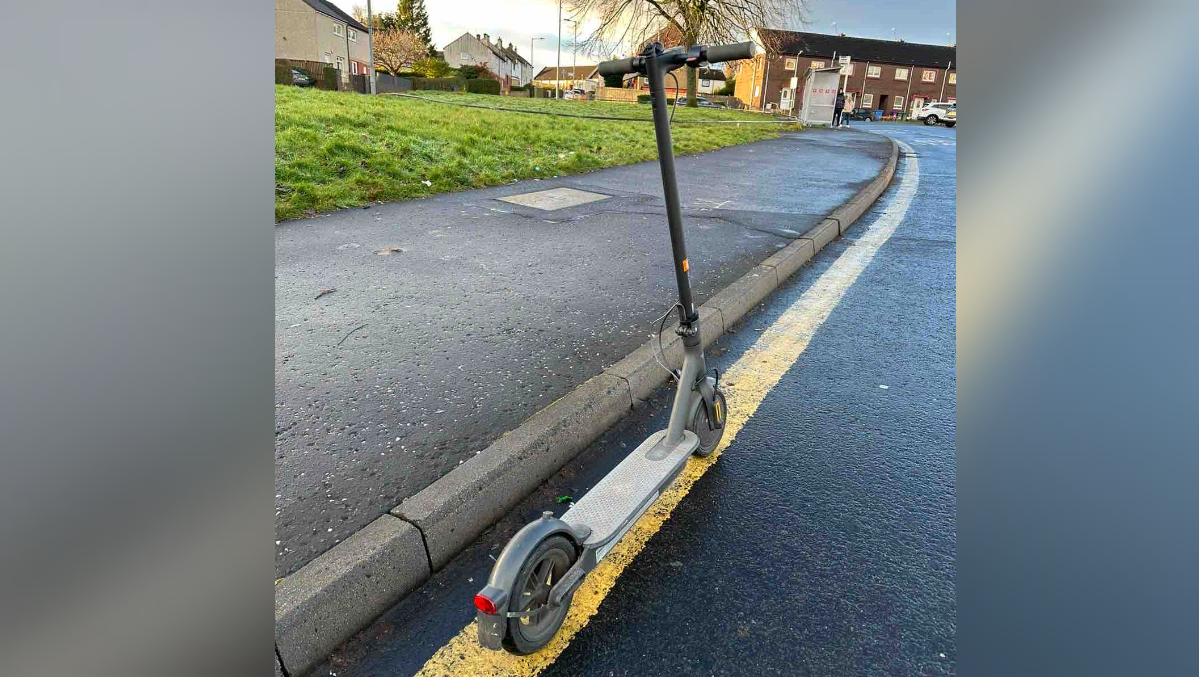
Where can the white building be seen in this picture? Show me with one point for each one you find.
(479, 50)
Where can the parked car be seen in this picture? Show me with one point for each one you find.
(574, 94)
(951, 118)
(861, 114)
(699, 101)
(300, 78)
(935, 112)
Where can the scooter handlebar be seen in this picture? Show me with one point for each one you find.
(718, 53)
(619, 66)
(713, 54)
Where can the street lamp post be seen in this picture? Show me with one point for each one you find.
(558, 74)
(370, 43)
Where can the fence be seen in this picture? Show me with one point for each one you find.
(386, 82)
(324, 74)
(630, 96)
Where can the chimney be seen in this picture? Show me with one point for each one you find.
(478, 37)
(499, 42)
(486, 38)
(509, 46)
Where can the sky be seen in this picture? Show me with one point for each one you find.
(517, 21)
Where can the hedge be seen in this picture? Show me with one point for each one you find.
(644, 98)
(330, 79)
(483, 86)
(441, 84)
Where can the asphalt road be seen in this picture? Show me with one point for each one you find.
(823, 540)
(418, 359)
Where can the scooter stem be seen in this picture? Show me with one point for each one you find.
(656, 70)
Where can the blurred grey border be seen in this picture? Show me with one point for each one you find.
(136, 186)
(1077, 285)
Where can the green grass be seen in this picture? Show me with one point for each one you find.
(341, 149)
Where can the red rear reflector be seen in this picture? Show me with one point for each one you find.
(485, 605)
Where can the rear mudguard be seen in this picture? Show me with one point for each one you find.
(503, 575)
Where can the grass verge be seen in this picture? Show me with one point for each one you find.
(341, 149)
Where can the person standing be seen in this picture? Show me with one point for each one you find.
(838, 107)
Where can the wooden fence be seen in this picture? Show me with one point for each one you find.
(325, 75)
(630, 96)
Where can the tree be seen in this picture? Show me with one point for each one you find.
(477, 71)
(685, 22)
(614, 80)
(432, 67)
(383, 21)
(411, 15)
(396, 49)
(729, 89)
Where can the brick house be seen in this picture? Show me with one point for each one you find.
(893, 76)
(316, 30)
(584, 77)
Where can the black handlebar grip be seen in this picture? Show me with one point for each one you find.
(718, 53)
(617, 66)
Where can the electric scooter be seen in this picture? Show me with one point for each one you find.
(532, 583)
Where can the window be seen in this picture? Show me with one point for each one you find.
(817, 64)
(337, 29)
(901, 74)
(789, 64)
(953, 78)
(341, 63)
(874, 71)
(867, 100)
(928, 76)
(848, 70)
(352, 34)
(705, 83)
(354, 67)
(898, 105)
(757, 90)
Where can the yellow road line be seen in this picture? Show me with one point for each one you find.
(746, 385)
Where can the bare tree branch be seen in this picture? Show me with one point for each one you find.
(397, 49)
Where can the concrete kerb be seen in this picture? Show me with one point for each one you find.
(452, 511)
(342, 591)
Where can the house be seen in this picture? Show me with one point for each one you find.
(479, 50)
(316, 30)
(709, 80)
(571, 77)
(891, 76)
(522, 69)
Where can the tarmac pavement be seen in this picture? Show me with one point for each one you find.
(452, 319)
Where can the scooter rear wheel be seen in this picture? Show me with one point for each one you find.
(708, 439)
(544, 567)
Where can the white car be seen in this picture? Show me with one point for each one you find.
(574, 94)
(935, 112)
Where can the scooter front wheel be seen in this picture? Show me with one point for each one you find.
(709, 439)
(547, 565)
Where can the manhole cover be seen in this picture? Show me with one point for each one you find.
(555, 198)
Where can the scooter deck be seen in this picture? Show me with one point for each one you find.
(618, 499)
